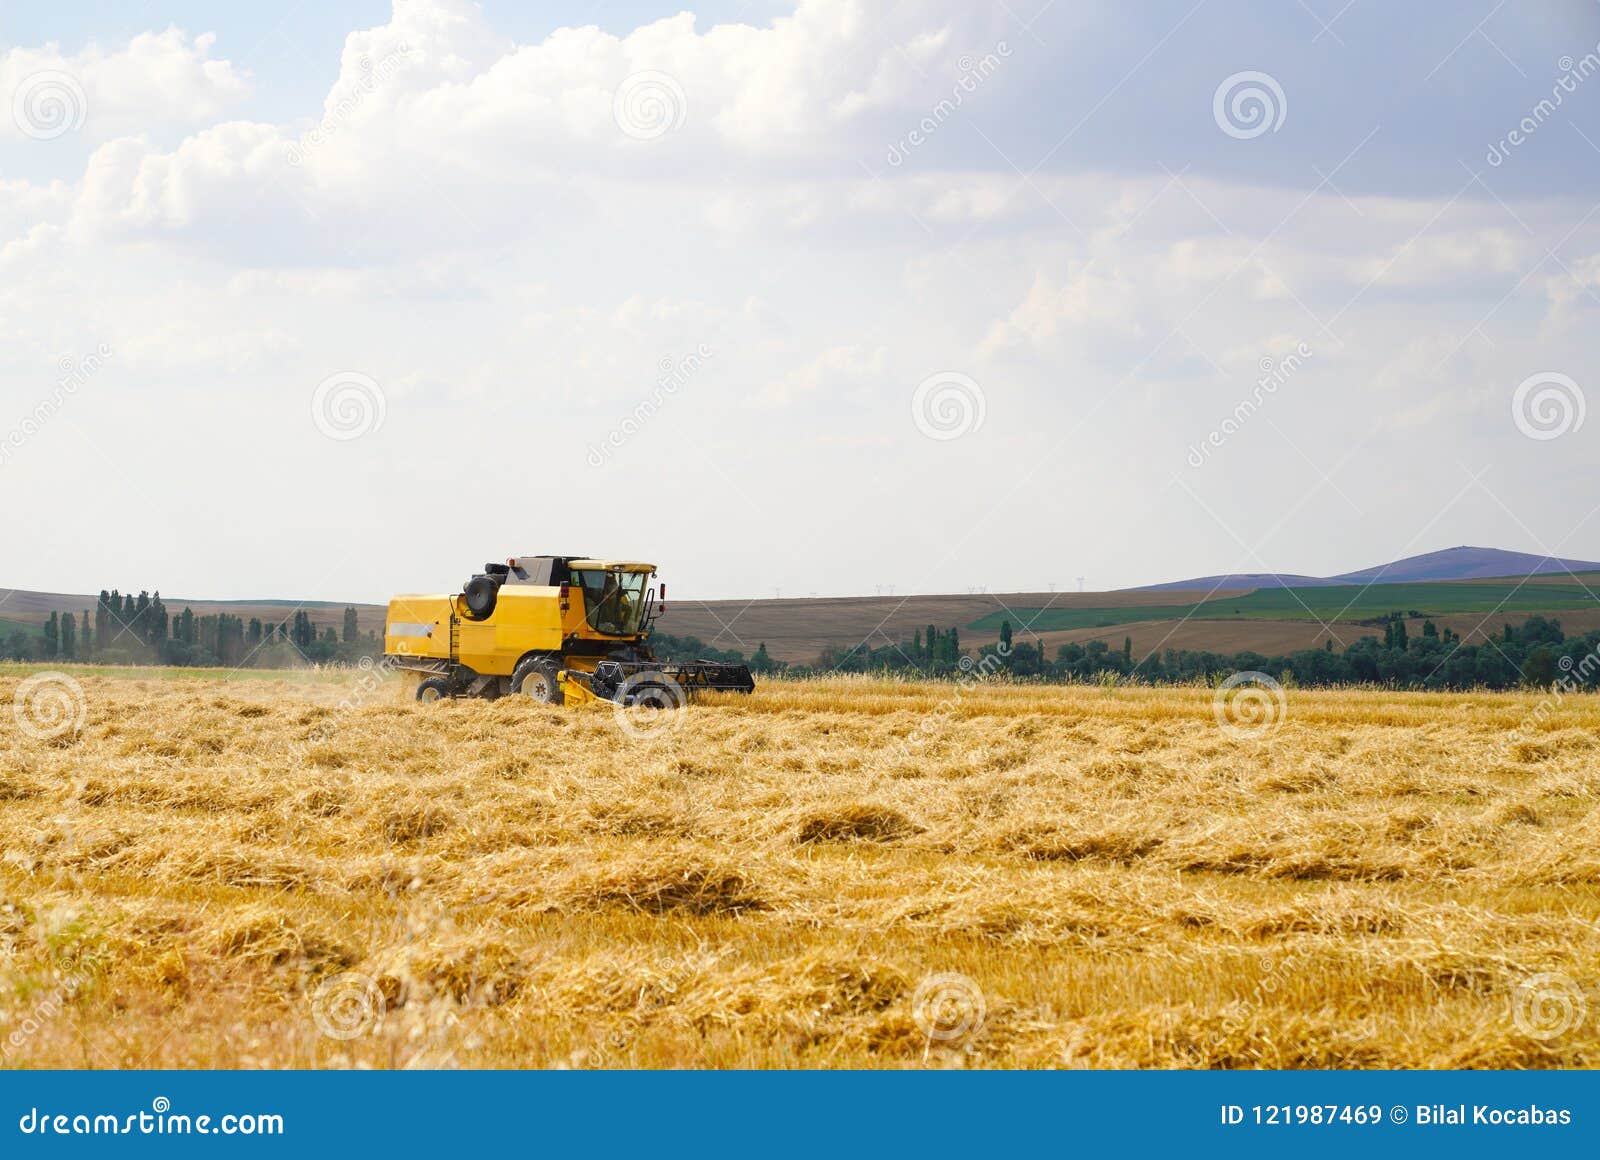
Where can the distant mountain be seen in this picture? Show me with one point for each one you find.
(1236, 580)
(1463, 563)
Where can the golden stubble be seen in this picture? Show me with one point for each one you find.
(834, 873)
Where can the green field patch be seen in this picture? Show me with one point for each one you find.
(1337, 602)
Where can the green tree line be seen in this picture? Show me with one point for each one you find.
(129, 629)
(1532, 654)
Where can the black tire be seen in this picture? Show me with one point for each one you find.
(433, 689)
(536, 677)
(482, 593)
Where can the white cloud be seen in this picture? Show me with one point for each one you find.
(1094, 299)
(156, 80)
(839, 369)
(461, 218)
(496, 130)
(1448, 255)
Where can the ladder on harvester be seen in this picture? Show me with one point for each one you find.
(455, 639)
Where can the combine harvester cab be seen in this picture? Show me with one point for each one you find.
(548, 627)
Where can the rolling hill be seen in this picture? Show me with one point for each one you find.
(1461, 563)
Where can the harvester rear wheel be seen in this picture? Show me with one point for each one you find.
(433, 689)
(536, 677)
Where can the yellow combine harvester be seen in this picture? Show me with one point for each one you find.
(552, 628)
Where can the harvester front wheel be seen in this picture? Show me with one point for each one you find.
(433, 689)
(536, 677)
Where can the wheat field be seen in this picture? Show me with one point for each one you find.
(838, 873)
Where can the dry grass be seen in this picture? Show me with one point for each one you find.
(208, 874)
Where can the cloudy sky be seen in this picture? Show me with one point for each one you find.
(334, 300)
